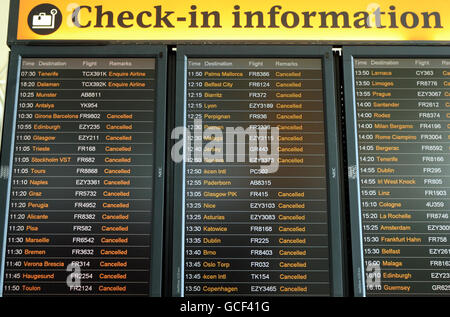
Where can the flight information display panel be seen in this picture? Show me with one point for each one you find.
(81, 189)
(401, 108)
(248, 231)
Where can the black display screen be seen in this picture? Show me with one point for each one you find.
(81, 191)
(249, 231)
(402, 120)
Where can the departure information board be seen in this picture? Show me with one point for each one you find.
(81, 191)
(401, 107)
(248, 231)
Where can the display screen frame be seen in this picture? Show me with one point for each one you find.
(334, 172)
(157, 52)
(350, 53)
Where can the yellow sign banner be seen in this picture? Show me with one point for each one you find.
(243, 20)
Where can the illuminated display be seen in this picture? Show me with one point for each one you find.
(250, 230)
(164, 20)
(402, 142)
(81, 191)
